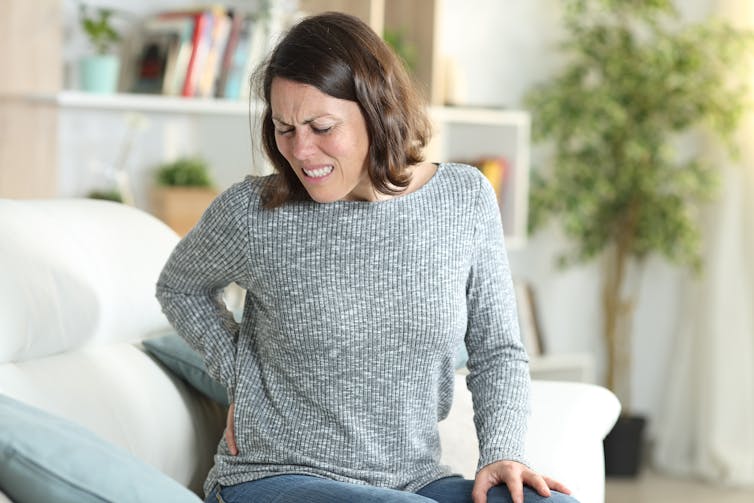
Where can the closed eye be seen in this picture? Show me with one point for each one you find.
(322, 130)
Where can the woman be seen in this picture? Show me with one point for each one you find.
(365, 268)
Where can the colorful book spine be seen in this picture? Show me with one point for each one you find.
(221, 24)
(235, 77)
(236, 25)
(200, 47)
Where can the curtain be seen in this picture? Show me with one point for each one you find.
(706, 429)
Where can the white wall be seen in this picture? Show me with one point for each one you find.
(503, 48)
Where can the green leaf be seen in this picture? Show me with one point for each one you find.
(184, 172)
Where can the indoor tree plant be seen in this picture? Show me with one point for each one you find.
(100, 70)
(636, 80)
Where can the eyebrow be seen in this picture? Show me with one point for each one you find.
(307, 121)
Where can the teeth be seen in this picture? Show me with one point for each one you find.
(319, 172)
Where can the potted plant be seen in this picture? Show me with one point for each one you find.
(636, 79)
(184, 189)
(99, 71)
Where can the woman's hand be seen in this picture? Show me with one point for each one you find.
(514, 475)
(230, 434)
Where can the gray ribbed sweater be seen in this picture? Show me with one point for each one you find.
(344, 361)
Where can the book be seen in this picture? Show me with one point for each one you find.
(179, 27)
(237, 20)
(176, 73)
(528, 319)
(248, 56)
(234, 78)
(160, 42)
(221, 24)
(256, 50)
(200, 44)
(495, 169)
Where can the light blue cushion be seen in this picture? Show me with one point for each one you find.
(47, 458)
(175, 353)
(461, 357)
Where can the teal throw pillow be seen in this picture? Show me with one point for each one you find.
(176, 354)
(461, 357)
(44, 457)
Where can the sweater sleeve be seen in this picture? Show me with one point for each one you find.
(498, 365)
(210, 257)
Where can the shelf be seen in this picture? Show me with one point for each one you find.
(482, 116)
(218, 106)
(145, 103)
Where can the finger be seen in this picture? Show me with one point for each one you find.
(479, 491)
(536, 482)
(557, 486)
(230, 434)
(516, 488)
(231, 442)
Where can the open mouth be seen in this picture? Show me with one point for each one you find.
(318, 172)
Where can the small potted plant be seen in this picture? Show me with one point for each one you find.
(100, 70)
(184, 189)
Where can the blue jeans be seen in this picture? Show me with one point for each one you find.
(309, 489)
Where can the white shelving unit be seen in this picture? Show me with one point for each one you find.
(470, 133)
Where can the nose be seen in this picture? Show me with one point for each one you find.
(303, 144)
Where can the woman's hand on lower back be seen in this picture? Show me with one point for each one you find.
(230, 434)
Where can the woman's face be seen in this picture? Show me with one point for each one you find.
(324, 139)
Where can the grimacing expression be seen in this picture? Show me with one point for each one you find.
(324, 139)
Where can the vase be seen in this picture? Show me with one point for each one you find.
(181, 207)
(99, 73)
(623, 446)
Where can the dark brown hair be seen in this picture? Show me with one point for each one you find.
(343, 57)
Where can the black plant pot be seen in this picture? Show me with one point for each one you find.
(623, 447)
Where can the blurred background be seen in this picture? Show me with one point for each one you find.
(485, 66)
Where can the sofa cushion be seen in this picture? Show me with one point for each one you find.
(47, 458)
(176, 354)
(68, 268)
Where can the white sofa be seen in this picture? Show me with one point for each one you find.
(77, 296)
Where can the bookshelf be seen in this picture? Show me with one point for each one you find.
(88, 129)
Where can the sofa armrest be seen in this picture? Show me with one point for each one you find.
(567, 425)
(566, 428)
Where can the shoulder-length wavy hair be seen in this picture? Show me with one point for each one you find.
(343, 57)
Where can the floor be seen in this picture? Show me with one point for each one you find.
(650, 487)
